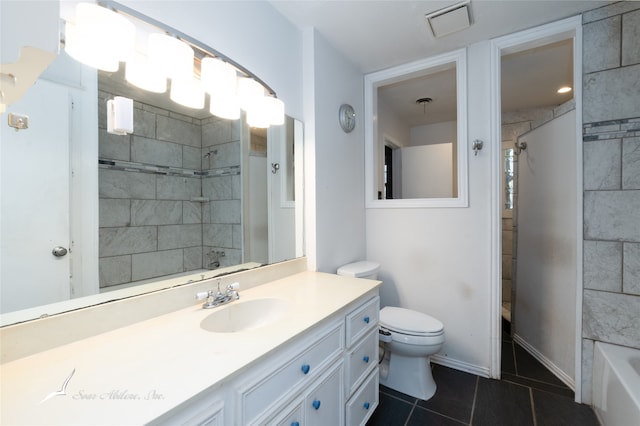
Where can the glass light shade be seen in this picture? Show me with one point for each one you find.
(250, 92)
(275, 110)
(226, 108)
(218, 77)
(259, 115)
(187, 92)
(100, 38)
(141, 73)
(170, 56)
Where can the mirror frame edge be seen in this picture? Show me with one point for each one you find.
(371, 83)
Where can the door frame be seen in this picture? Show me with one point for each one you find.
(569, 28)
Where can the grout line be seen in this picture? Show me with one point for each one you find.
(413, 407)
(441, 415)
(513, 351)
(475, 397)
(563, 386)
(533, 408)
(396, 397)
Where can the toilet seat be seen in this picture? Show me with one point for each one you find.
(409, 322)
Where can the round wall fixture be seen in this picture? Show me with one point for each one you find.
(347, 117)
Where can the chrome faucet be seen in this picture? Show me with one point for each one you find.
(217, 298)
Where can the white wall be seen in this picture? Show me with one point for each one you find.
(334, 159)
(437, 260)
(545, 272)
(426, 171)
(445, 132)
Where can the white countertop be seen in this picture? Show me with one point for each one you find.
(134, 374)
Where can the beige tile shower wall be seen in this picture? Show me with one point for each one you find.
(149, 224)
(611, 156)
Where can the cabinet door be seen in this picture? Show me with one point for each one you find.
(324, 404)
(291, 417)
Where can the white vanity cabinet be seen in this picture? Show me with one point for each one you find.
(361, 358)
(315, 364)
(327, 377)
(303, 369)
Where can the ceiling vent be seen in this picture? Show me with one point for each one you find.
(449, 20)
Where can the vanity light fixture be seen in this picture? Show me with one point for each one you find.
(141, 73)
(193, 68)
(218, 77)
(187, 92)
(564, 89)
(170, 55)
(219, 80)
(249, 93)
(275, 110)
(99, 37)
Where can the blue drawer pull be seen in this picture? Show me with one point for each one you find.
(366, 405)
(295, 424)
(305, 368)
(316, 404)
(366, 319)
(365, 359)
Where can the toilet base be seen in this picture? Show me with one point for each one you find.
(409, 375)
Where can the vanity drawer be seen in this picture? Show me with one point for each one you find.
(361, 360)
(363, 319)
(288, 378)
(362, 405)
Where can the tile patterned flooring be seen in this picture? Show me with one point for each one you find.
(528, 394)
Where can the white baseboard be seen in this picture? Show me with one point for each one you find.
(546, 362)
(460, 365)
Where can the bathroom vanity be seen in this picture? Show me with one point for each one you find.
(300, 350)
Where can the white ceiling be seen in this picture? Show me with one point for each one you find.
(377, 35)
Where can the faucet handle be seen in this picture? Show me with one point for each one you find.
(202, 295)
(233, 286)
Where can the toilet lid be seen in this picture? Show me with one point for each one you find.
(409, 321)
(359, 269)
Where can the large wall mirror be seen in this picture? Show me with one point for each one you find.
(415, 134)
(186, 196)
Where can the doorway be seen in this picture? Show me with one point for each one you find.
(516, 126)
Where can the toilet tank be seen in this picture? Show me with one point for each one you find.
(363, 269)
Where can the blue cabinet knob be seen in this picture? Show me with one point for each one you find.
(316, 404)
(366, 405)
(295, 423)
(366, 319)
(365, 359)
(305, 368)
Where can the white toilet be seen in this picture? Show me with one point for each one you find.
(411, 338)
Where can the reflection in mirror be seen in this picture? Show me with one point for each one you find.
(416, 127)
(186, 196)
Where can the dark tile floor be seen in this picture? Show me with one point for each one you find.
(528, 394)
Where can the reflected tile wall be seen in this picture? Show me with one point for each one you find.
(152, 219)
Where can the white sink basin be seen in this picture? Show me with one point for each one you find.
(243, 316)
